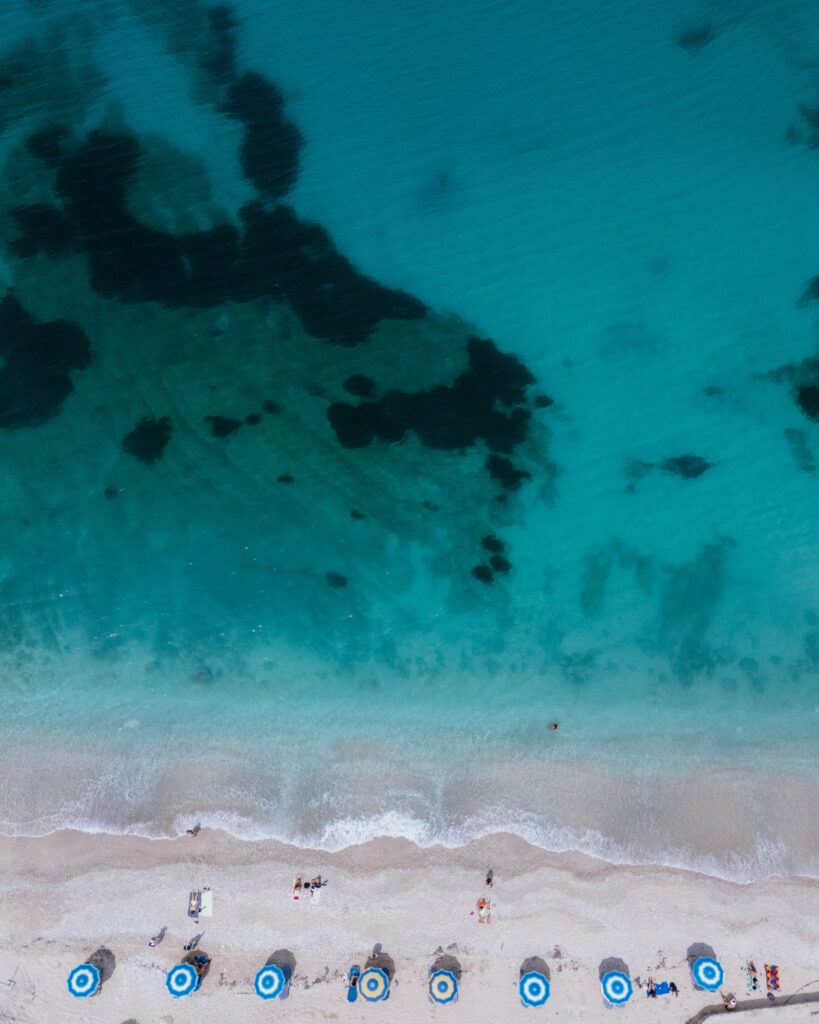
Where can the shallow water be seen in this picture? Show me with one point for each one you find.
(622, 199)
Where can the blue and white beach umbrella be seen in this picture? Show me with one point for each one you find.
(182, 980)
(616, 987)
(707, 973)
(269, 982)
(534, 989)
(84, 981)
(443, 986)
(374, 984)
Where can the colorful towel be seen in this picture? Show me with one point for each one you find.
(772, 977)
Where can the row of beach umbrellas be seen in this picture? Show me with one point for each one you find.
(705, 970)
(374, 983)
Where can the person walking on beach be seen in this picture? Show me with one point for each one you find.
(193, 831)
(490, 878)
(156, 939)
(730, 1001)
(193, 943)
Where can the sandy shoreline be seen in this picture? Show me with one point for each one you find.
(65, 895)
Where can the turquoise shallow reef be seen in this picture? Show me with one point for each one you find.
(381, 386)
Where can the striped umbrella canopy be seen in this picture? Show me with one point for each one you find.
(182, 980)
(443, 986)
(707, 973)
(269, 982)
(534, 989)
(84, 981)
(616, 987)
(374, 984)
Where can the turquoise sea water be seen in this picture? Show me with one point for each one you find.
(246, 494)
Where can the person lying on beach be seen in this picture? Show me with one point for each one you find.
(297, 888)
(650, 990)
(194, 904)
(316, 883)
(730, 1001)
(753, 977)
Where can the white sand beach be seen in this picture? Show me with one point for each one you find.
(66, 895)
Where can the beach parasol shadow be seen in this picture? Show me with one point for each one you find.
(447, 963)
(613, 963)
(536, 965)
(105, 962)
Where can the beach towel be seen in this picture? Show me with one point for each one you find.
(194, 901)
(352, 983)
(752, 985)
(662, 989)
(772, 977)
(206, 903)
